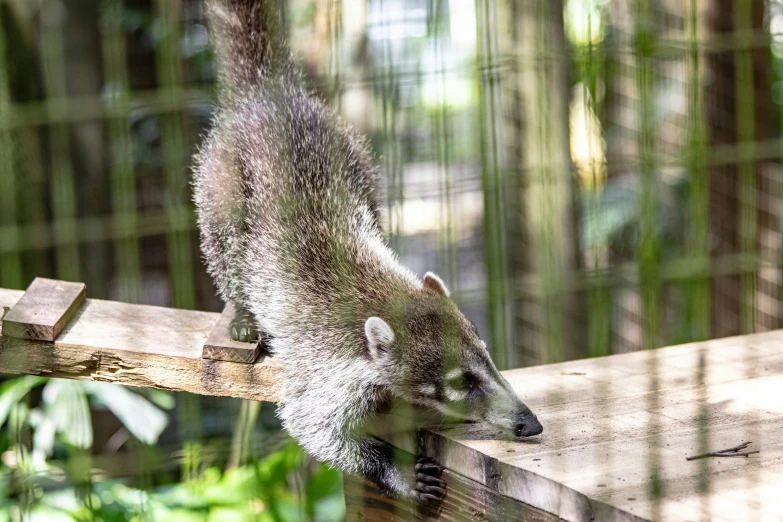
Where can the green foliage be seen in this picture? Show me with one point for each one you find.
(14, 390)
(258, 492)
(141, 417)
(47, 473)
(64, 413)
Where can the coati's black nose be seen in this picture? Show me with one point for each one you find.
(528, 426)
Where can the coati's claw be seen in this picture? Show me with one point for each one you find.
(427, 465)
(426, 498)
(421, 477)
(430, 488)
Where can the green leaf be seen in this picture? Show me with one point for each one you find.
(324, 482)
(331, 508)
(43, 438)
(237, 486)
(227, 514)
(143, 419)
(160, 398)
(183, 515)
(67, 407)
(41, 513)
(18, 417)
(181, 496)
(14, 390)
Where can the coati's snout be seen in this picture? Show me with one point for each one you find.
(507, 411)
(431, 355)
(528, 425)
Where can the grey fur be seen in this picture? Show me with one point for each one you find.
(287, 198)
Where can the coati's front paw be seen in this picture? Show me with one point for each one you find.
(243, 328)
(430, 488)
(243, 333)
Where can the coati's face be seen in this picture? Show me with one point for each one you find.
(429, 354)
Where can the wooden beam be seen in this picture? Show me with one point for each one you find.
(136, 345)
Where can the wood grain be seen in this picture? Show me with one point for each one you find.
(466, 501)
(45, 308)
(613, 424)
(137, 345)
(221, 347)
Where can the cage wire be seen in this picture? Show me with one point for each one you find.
(588, 176)
(595, 170)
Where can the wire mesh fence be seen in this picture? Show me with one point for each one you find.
(588, 176)
(600, 171)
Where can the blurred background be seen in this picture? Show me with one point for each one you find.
(588, 176)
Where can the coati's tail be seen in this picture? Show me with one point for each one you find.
(251, 48)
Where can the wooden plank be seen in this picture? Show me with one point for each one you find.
(538, 491)
(45, 308)
(466, 501)
(221, 347)
(135, 345)
(739, 488)
(614, 469)
(607, 421)
(625, 374)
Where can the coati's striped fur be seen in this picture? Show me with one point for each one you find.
(288, 198)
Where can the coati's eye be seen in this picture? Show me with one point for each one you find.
(465, 382)
(457, 384)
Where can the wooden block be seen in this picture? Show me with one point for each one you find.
(44, 309)
(221, 347)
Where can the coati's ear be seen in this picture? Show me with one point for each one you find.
(379, 337)
(435, 283)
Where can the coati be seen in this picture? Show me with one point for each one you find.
(288, 209)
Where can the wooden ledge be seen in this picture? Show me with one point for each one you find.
(610, 423)
(136, 345)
